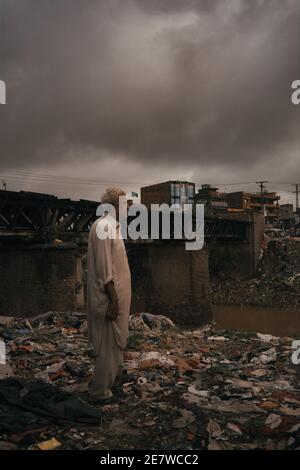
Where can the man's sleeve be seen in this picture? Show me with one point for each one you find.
(103, 259)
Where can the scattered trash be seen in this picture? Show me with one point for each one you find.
(199, 393)
(214, 429)
(5, 371)
(142, 381)
(266, 357)
(217, 338)
(157, 322)
(269, 405)
(186, 418)
(234, 428)
(201, 389)
(24, 403)
(155, 359)
(289, 411)
(295, 428)
(259, 373)
(147, 322)
(49, 445)
(277, 282)
(267, 338)
(4, 445)
(119, 427)
(5, 321)
(273, 421)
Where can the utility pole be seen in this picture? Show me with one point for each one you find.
(262, 191)
(297, 195)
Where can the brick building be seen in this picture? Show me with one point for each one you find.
(266, 203)
(170, 192)
(210, 197)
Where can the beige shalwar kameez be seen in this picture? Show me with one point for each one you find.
(107, 261)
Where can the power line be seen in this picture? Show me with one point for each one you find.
(275, 182)
(34, 179)
(29, 177)
(245, 183)
(230, 184)
(273, 188)
(62, 178)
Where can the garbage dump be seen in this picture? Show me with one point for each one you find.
(183, 389)
(277, 281)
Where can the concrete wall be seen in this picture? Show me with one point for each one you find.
(238, 259)
(166, 279)
(38, 278)
(256, 233)
(171, 281)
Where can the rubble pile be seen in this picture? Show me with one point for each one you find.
(277, 282)
(184, 389)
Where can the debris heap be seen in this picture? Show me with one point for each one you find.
(277, 282)
(184, 389)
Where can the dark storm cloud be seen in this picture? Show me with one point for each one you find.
(207, 82)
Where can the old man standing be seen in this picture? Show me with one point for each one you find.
(109, 297)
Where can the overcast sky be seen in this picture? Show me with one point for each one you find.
(140, 91)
